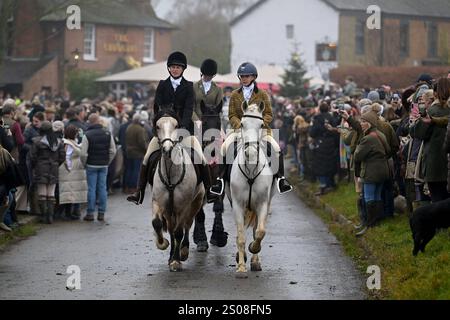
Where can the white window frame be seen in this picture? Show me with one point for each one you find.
(90, 56)
(149, 45)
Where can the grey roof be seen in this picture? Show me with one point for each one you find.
(419, 8)
(17, 71)
(116, 12)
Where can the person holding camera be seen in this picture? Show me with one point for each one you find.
(432, 131)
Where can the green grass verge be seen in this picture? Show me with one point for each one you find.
(389, 246)
(18, 234)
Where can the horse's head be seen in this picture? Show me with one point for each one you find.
(252, 126)
(166, 127)
(211, 121)
(252, 122)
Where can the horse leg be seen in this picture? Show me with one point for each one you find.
(175, 265)
(161, 242)
(184, 254)
(260, 232)
(240, 240)
(172, 247)
(219, 237)
(200, 238)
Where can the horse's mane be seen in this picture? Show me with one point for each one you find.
(253, 108)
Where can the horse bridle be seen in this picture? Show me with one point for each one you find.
(251, 181)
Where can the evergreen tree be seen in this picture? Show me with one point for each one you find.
(295, 84)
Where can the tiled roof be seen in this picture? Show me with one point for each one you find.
(422, 8)
(116, 12)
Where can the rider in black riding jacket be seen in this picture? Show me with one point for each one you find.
(179, 93)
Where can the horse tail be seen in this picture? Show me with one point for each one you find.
(250, 218)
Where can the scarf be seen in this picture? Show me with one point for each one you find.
(175, 82)
(248, 91)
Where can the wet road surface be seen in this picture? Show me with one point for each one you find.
(119, 260)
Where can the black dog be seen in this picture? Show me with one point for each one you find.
(425, 222)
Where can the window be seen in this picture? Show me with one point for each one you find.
(149, 47)
(119, 89)
(360, 46)
(290, 31)
(404, 38)
(432, 40)
(89, 42)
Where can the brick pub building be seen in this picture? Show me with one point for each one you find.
(114, 36)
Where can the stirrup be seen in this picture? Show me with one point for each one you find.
(222, 187)
(278, 186)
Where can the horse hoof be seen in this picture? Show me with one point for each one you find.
(253, 248)
(163, 246)
(256, 266)
(202, 246)
(184, 254)
(237, 257)
(175, 266)
(219, 239)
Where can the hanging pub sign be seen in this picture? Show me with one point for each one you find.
(326, 52)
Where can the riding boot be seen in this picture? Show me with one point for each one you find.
(138, 197)
(206, 178)
(283, 185)
(219, 237)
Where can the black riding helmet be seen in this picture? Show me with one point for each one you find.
(247, 69)
(178, 59)
(209, 68)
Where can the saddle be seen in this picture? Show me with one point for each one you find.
(154, 159)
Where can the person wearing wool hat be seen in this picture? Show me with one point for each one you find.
(372, 153)
(425, 78)
(58, 127)
(175, 91)
(373, 96)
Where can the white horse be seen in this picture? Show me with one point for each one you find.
(251, 188)
(176, 196)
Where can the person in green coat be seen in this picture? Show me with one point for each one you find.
(372, 153)
(435, 162)
(206, 89)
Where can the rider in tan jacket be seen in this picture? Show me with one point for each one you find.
(250, 92)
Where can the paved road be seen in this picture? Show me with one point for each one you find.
(118, 260)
